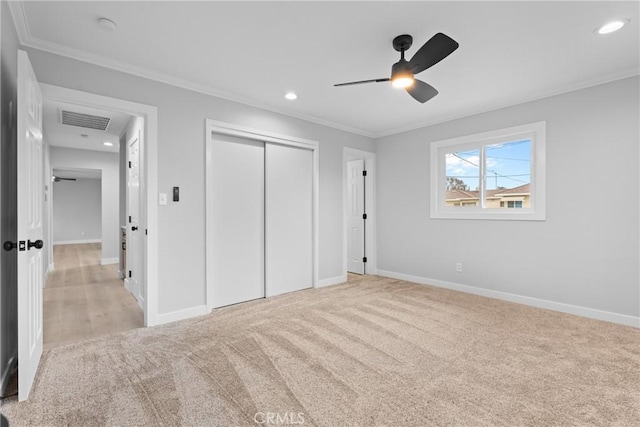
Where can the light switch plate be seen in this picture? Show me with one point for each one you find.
(163, 198)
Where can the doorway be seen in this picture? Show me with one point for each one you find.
(142, 121)
(359, 237)
(33, 182)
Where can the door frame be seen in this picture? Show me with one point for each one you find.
(223, 128)
(148, 183)
(370, 248)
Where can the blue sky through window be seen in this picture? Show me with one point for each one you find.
(508, 165)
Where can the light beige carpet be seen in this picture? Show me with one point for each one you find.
(370, 352)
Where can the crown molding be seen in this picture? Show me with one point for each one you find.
(26, 39)
(578, 86)
(19, 20)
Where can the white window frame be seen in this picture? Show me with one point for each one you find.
(438, 150)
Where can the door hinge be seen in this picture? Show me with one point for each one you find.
(364, 173)
(129, 219)
(364, 216)
(145, 231)
(129, 165)
(129, 273)
(364, 259)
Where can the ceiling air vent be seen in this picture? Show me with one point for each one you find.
(84, 120)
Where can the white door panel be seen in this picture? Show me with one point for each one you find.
(289, 218)
(30, 204)
(134, 267)
(355, 222)
(238, 220)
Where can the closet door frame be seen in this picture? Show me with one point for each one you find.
(214, 127)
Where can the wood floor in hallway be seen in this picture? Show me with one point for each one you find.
(83, 299)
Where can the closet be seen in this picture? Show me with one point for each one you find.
(261, 219)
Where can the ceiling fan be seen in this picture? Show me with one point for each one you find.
(58, 179)
(433, 51)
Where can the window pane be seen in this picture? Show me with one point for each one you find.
(462, 178)
(508, 174)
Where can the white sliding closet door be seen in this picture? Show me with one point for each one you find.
(289, 218)
(238, 220)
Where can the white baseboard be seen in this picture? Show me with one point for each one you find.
(331, 281)
(187, 313)
(591, 313)
(76, 242)
(127, 285)
(12, 364)
(120, 275)
(51, 267)
(106, 261)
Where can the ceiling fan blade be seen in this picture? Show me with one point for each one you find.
(363, 81)
(421, 91)
(433, 51)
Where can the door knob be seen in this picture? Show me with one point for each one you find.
(9, 245)
(134, 228)
(38, 244)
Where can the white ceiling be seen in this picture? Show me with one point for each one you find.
(253, 52)
(60, 135)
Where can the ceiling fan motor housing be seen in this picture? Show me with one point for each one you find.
(402, 42)
(400, 67)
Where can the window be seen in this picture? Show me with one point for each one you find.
(492, 175)
(512, 204)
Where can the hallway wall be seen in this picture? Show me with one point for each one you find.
(108, 163)
(77, 211)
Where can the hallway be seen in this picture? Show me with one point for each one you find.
(83, 299)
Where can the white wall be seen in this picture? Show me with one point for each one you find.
(181, 149)
(585, 254)
(77, 211)
(62, 158)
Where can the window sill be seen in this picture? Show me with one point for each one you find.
(482, 215)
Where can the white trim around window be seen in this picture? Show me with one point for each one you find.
(536, 209)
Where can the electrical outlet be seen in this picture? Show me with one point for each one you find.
(459, 267)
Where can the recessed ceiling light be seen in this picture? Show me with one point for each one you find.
(612, 26)
(107, 24)
(108, 144)
(291, 96)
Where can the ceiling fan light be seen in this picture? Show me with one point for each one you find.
(403, 81)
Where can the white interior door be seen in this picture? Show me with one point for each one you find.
(134, 269)
(30, 233)
(238, 220)
(355, 220)
(289, 218)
